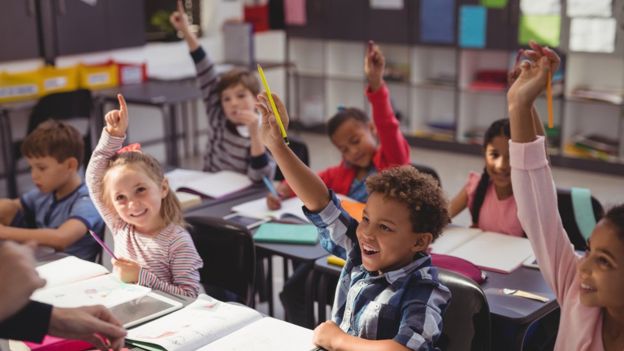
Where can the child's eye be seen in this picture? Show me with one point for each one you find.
(140, 189)
(385, 228)
(364, 219)
(603, 262)
(119, 198)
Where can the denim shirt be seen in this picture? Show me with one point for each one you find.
(405, 305)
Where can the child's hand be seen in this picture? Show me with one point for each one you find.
(273, 202)
(270, 133)
(327, 334)
(531, 75)
(127, 270)
(117, 120)
(179, 20)
(246, 117)
(374, 65)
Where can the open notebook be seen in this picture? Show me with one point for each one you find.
(488, 250)
(258, 209)
(206, 184)
(209, 324)
(72, 282)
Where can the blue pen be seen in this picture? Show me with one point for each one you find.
(270, 186)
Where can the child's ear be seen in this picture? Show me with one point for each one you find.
(164, 188)
(372, 128)
(72, 163)
(423, 240)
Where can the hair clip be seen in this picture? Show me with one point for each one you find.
(135, 147)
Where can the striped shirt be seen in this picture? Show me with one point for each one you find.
(226, 149)
(405, 305)
(169, 260)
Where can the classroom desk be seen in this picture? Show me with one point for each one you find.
(305, 253)
(166, 95)
(521, 312)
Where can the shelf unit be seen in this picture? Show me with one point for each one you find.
(435, 85)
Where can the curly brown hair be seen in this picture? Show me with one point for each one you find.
(419, 191)
(55, 139)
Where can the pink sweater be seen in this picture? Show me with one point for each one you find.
(580, 327)
(495, 215)
(169, 261)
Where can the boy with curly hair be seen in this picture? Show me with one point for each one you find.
(388, 296)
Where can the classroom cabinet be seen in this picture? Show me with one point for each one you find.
(18, 25)
(441, 88)
(76, 26)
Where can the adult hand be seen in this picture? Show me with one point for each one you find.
(18, 276)
(117, 120)
(94, 324)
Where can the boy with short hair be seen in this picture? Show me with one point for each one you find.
(59, 212)
(388, 297)
(233, 142)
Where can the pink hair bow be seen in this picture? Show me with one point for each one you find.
(136, 147)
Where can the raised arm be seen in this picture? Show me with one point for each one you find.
(111, 140)
(305, 183)
(180, 22)
(392, 143)
(532, 181)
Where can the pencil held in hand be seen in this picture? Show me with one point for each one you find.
(549, 100)
(272, 102)
(102, 244)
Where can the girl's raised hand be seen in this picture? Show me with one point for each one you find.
(374, 65)
(117, 120)
(270, 133)
(533, 73)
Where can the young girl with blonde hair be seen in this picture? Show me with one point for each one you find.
(133, 196)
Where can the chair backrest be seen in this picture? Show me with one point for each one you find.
(427, 170)
(228, 252)
(300, 149)
(76, 104)
(467, 318)
(569, 220)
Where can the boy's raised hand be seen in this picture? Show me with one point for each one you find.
(374, 65)
(533, 73)
(269, 129)
(178, 19)
(117, 120)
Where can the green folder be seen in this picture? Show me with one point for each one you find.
(305, 234)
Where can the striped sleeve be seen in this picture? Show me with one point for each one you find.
(184, 263)
(104, 151)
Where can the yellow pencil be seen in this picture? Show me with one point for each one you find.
(549, 101)
(272, 102)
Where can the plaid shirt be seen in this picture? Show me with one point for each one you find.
(405, 305)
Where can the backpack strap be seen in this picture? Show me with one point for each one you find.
(583, 211)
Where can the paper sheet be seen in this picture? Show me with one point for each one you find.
(589, 8)
(544, 29)
(540, 7)
(472, 26)
(593, 34)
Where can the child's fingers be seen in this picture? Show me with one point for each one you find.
(180, 7)
(123, 108)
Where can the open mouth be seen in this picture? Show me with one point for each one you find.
(368, 250)
(587, 288)
(138, 214)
